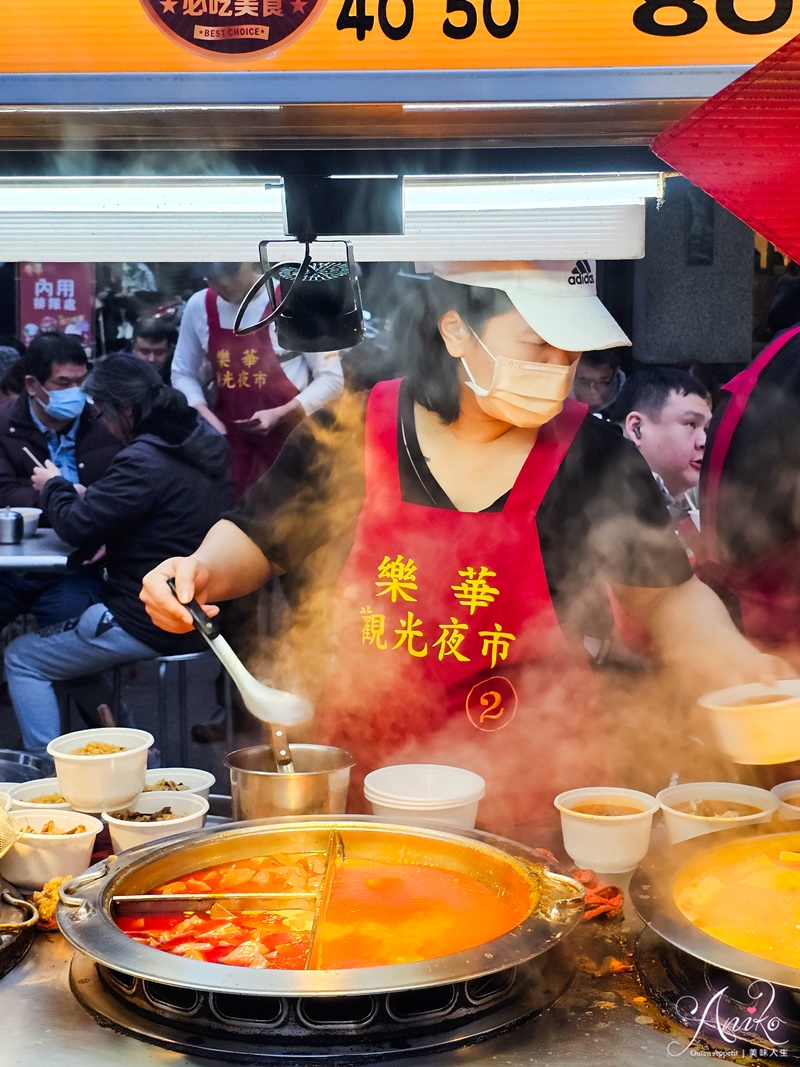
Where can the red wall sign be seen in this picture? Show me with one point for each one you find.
(56, 296)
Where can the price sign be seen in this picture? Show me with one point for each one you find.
(389, 35)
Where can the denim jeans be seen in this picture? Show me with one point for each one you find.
(92, 643)
(49, 598)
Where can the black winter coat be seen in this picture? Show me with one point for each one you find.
(158, 499)
(95, 448)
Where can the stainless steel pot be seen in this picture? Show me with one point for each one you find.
(553, 903)
(653, 889)
(317, 785)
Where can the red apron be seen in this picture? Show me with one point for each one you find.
(768, 591)
(249, 378)
(447, 646)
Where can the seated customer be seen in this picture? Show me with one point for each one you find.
(12, 375)
(51, 420)
(163, 491)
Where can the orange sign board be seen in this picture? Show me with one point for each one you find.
(125, 36)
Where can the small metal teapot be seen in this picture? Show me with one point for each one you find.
(11, 527)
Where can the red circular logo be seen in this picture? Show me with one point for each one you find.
(492, 703)
(233, 29)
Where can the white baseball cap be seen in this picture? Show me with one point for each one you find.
(557, 299)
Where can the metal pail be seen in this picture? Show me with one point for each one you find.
(318, 785)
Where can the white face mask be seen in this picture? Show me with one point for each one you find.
(522, 393)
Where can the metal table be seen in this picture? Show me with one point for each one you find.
(599, 1020)
(45, 551)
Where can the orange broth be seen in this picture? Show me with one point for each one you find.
(382, 913)
(749, 900)
(377, 914)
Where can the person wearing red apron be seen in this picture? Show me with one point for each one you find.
(767, 585)
(436, 620)
(248, 378)
(446, 637)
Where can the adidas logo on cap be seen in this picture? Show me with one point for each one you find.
(581, 273)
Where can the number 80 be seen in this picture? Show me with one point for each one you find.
(697, 16)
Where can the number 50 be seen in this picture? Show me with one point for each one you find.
(462, 30)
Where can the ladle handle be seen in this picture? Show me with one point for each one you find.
(202, 622)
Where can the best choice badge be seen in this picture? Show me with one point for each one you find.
(233, 29)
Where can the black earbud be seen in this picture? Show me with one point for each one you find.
(637, 433)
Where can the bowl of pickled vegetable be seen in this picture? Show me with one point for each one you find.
(178, 780)
(39, 793)
(53, 843)
(151, 816)
(101, 769)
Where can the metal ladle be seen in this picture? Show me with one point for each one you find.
(275, 707)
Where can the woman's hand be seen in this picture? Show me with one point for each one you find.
(225, 566)
(191, 580)
(695, 635)
(264, 422)
(42, 475)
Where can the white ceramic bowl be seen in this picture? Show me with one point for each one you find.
(193, 778)
(5, 800)
(425, 792)
(756, 724)
(787, 812)
(22, 795)
(680, 825)
(30, 520)
(611, 844)
(190, 808)
(36, 858)
(96, 783)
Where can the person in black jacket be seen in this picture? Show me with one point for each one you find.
(51, 419)
(164, 490)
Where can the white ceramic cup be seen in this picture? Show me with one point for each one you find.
(787, 812)
(36, 858)
(680, 825)
(425, 792)
(611, 844)
(95, 783)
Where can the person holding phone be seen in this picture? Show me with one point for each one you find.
(260, 392)
(51, 421)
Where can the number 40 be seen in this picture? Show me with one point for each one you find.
(696, 16)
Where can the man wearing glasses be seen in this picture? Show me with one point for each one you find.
(598, 381)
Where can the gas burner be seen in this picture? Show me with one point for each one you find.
(727, 1010)
(349, 1029)
(312, 1015)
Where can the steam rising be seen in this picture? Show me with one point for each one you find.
(584, 727)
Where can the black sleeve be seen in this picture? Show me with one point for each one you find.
(107, 509)
(312, 493)
(603, 518)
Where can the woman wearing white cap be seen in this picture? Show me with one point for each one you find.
(442, 541)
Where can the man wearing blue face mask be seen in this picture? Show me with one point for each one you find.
(50, 420)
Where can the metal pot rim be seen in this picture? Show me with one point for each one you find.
(347, 761)
(651, 891)
(86, 921)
